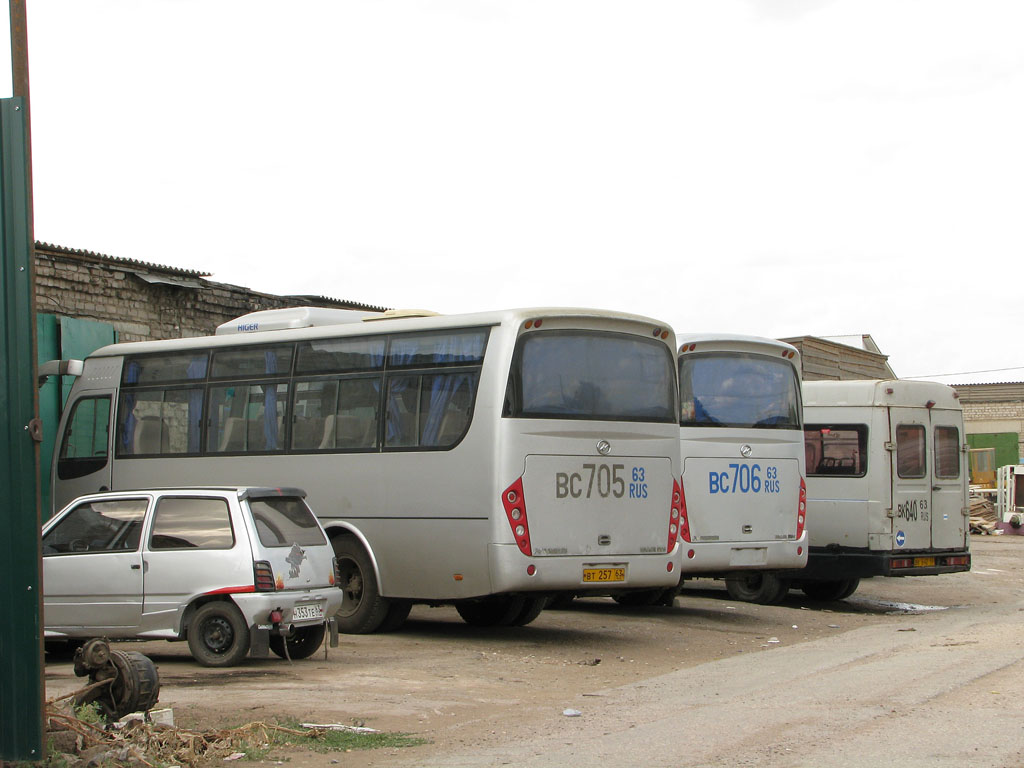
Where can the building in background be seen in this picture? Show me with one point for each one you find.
(841, 358)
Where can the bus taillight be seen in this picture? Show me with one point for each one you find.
(515, 509)
(801, 509)
(678, 525)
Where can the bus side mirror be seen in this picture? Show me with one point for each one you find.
(59, 368)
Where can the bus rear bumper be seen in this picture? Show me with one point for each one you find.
(724, 557)
(510, 571)
(829, 564)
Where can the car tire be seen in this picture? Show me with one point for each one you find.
(495, 611)
(363, 610)
(302, 643)
(837, 589)
(757, 587)
(218, 635)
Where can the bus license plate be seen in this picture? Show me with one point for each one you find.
(604, 574)
(303, 612)
(924, 562)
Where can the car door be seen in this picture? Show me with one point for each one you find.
(911, 479)
(193, 548)
(92, 567)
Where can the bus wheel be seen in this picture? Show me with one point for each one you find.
(398, 612)
(640, 598)
(531, 610)
(757, 587)
(830, 590)
(302, 643)
(363, 610)
(561, 600)
(496, 611)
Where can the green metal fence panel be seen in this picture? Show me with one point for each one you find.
(48, 348)
(21, 648)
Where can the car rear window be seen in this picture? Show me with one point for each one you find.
(282, 521)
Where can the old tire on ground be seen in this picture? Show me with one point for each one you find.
(398, 612)
(532, 608)
(218, 635)
(830, 590)
(363, 610)
(302, 643)
(757, 587)
(494, 611)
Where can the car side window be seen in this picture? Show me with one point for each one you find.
(98, 526)
(190, 522)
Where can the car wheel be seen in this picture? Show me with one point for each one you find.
(532, 608)
(496, 611)
(363, 610)
(830, 590)
(302, 643)
(756, 587)
(217, 635)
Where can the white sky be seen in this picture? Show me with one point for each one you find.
(775, 167)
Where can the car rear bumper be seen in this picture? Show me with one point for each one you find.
(257, 606)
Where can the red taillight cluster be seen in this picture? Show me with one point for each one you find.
(263, 576)
(678, 525)
(335, 572)
(515, 509)
(902, 562)
(801, 510)
(958, 560)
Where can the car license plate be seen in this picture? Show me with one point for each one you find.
(303, 612)
(924, 562)
(604, 574)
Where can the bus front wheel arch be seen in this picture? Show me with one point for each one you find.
(363, 610)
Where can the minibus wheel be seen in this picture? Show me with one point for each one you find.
(837, 589)
(757, 587)
(363, 610)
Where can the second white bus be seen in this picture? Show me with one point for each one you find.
(485, 460)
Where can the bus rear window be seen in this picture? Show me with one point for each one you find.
(728, 389)
(591, 375)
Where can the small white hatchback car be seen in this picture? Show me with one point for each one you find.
(227, 569)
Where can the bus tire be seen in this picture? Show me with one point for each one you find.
(302, 643)
(837, 589)
(494, 611)
(559, 601)
(532, 608)
(398, 612)
(757, 587)
(363, 610)
(640, 598)
(218, 635)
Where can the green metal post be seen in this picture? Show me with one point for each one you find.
(21, 646)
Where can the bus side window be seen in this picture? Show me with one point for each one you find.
(84, 446)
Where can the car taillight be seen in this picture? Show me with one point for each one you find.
(263, 576)
(801, 509)
(336, 572)
(677, 524)
(515, 509)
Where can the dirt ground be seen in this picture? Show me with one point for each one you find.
(459, 686)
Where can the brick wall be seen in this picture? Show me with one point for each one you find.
(147, 301)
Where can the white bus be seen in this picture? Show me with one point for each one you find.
(886, 483)
(484, 460)
(742, 453)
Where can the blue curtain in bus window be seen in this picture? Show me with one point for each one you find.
(196, 370)
(131, 376)
(270, 405)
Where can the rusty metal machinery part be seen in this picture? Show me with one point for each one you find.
(133, 684)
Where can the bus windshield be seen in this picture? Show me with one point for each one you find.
(591, 375)
(725, 389)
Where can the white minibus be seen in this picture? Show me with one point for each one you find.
(886, 483)
(742, 454)
(485, 460)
